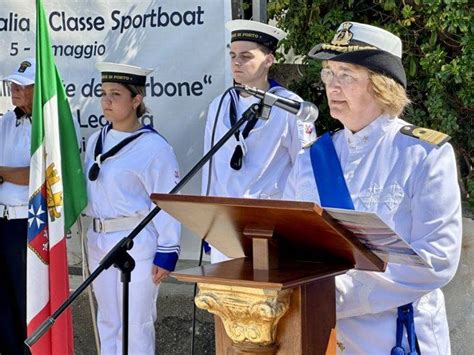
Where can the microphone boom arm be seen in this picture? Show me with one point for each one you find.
(126, 243)
(304, 111)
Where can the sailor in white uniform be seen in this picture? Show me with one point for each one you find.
(405, 174)
(15, 141)
(125, 163)
(255, 163)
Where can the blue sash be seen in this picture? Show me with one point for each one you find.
(327, 172)
(333, 192)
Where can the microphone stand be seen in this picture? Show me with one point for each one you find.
(118, 255)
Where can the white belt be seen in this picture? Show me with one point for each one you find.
(13, 212)
(115, 224)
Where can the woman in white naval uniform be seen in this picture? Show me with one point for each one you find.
(119, 185)
(256, 163)
(409, 182)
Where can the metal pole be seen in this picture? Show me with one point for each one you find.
(259, 10)
(237, 11)
(125, 307)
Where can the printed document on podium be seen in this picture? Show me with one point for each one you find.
(377, 236)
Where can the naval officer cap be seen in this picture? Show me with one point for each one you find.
(253, 31)
(25, 74)
(369, 46)
(123, 73)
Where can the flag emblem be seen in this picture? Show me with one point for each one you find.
(38, 240)
(55, 199)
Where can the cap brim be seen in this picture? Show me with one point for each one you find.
(375, 59)
(122, 68)
(318, 53)
(20, 80)
(250, 25)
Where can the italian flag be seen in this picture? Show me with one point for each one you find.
(57, 195)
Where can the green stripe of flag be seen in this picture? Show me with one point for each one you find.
(48, 84)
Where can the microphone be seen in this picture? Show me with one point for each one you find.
(304, 111)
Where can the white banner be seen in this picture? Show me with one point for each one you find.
(184, 41)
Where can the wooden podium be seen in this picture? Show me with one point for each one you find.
(278, 295)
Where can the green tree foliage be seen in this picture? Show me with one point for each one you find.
(438, 50)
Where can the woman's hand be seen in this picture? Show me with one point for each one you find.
(158, 274)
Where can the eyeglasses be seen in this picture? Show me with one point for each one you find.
(342, 78)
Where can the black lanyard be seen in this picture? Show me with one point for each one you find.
(237, 158)
(20, 115)
(99, 158)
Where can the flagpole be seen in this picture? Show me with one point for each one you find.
(118, 255)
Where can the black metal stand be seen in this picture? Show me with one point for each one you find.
(118, 255)
(126, 264)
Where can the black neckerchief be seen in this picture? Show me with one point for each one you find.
(20, 114)
(99, 158)
(238, 156)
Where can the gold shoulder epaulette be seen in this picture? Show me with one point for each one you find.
(425, 135)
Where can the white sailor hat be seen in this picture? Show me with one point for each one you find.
(369, 46)
(253, 31)
(123, 73)
(25, 74)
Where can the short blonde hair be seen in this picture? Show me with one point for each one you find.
(391, 96)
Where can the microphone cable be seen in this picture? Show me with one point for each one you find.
(208, 187)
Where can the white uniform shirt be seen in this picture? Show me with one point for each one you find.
(272, 147)
(15, 141)
(412, 186)
(123, 187)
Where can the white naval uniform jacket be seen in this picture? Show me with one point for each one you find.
(272, 148)
(412, 186)
(15, 141)
(123, 187)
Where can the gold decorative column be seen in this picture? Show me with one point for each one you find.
(250, 315)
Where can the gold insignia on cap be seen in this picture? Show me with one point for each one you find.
(426, 135)
(23, 66)
(343, 36)
(344, 49)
